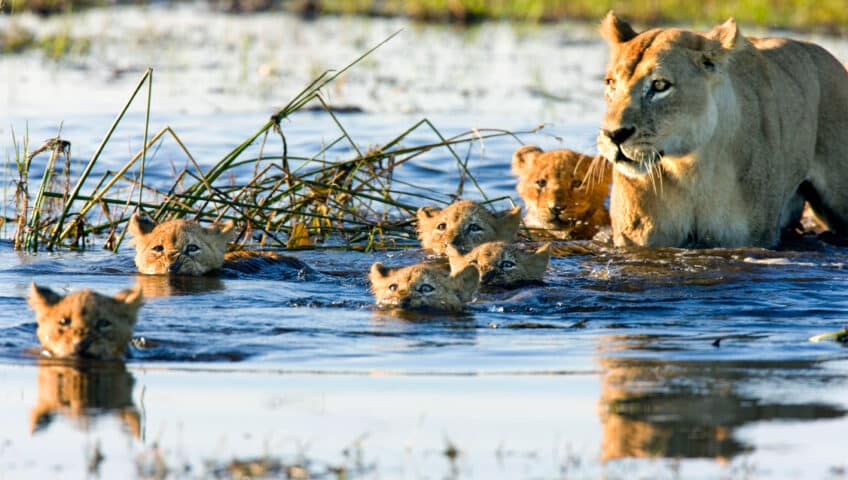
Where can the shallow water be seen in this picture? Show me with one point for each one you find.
(612, 368)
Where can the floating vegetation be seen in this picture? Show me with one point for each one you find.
(284, 199)
(841, 336)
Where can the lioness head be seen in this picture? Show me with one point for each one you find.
(85, 323)
(562, 189)
(661, 92)
(179, 247)
(502, 264)
(464, 225)
(423, 287)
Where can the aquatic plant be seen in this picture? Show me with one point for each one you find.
(285, 198)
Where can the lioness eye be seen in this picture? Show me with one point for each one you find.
(475, 228)
(158, 249)
(541, 183)
(506, 265)
(65, 321)
(393, 287)
(660, 85)
(441, 226)
(191, 248)
(425, 288)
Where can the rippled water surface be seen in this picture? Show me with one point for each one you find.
(625, 363)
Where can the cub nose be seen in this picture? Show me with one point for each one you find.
(619, 135)
(555, 209)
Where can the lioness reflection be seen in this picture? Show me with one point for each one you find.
(661, 408)
(82, 393)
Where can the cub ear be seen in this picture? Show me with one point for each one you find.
(466, 281)
(42, 297)
(540, 258)
(131, 296)
(140, 226)
(224, 230)
(615, 30)
(455, 258)
(426, 213)
(508, 223)
(40, 418)
(523, 158)
(378, 272)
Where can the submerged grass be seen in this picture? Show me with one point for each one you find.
(286, 199)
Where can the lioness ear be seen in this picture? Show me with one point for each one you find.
(615, 30)
(523, 158)
(131, 296)
(466, 281)
(508, 223)
(42, 297)
(726, 38)
(378, 272)
(727, 34)
(140, 226)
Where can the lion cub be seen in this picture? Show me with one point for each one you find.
(183, 247)
(502, 264)
(85, 323)
(464, 225)
(564, 191)
(423, 287)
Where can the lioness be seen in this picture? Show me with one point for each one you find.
(464, 225)
(183, 247)
(85, 323)
(717, 139)
(502, 264)
(423, 287)
(564, 191)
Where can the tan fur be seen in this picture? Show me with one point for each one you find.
(502, 264)
(81, 394)
(563, 191)
(464, 225)
(179, 247)
(717, 139)
(423, 287)
(85, 323)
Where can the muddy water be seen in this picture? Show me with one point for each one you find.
(647, 363)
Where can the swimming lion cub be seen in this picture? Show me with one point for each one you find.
(502, 264)
(183, 247)
(85, 323)
(423, 287)
(464, 225)
(564, 191)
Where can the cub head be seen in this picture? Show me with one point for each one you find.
(180, 247)
(502, 264)
(464, 225)
(85, 323)
(423, 287)
(560, 187)
(664, 90)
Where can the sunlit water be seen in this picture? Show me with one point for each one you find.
(645, 363)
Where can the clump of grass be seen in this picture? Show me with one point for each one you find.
(289, 199)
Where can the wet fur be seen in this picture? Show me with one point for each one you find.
(464, 225)
(502, 264)
(407, 287)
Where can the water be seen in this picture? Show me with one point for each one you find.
(612, 368)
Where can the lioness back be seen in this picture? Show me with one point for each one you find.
(423, 287)
(85, 323)
(718, 139)
(464, 225)
(564, 191)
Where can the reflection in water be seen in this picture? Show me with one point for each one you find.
(82, 392)
(667, 408)
(172, 285)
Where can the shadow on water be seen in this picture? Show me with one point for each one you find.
(83, 393)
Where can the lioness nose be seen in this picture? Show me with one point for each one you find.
(620, 135)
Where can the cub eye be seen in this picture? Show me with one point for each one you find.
(191, 248)
(103, 325)
(425, 288)
(64, 321)
(576, 184)
(158, 249)
(609, 81)
(441, 226)
(660, 85)
(475, 228)
(507, 265)
(541, 183)
(393, 287)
